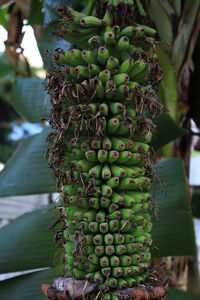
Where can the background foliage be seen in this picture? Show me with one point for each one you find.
(26, 242)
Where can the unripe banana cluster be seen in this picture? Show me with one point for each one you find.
(105, 111)
(106, 212)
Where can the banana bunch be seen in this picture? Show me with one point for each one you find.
(106, 99)
(77, 28)
(107, 209)
(107, 236)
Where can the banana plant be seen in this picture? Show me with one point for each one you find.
(17, 179)
(102, 120)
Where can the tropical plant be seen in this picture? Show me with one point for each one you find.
(26, 243)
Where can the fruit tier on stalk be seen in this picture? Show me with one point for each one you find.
(103, 98)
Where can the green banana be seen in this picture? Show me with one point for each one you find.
(103, 104)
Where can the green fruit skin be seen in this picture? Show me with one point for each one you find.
(106, 188)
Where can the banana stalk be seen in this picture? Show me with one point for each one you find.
(103, 171)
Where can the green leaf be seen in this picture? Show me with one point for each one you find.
(174, 233)
(180, 45)
(49, 7)
(49, 42)
(175, 294)
(4, 16)
(36, 13)
(166, 131)
(168, 8)
(168, 88)
(27, 171)
(30, 99)
(6, 71)
(26, 242)
(27, 286)
(177, 6)
(163, 23)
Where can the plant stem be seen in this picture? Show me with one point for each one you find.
(90, 8)
(140, 8)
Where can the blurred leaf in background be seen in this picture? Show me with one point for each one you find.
(7, 112)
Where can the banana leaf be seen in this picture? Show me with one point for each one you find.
(175, 294)
(27, 286)
(167, 130)
(174, 233)
(30, 99)
(26, 242)
(27, 171)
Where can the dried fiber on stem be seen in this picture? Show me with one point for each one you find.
(64, 289)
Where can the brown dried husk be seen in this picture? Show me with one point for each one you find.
(70, 288)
